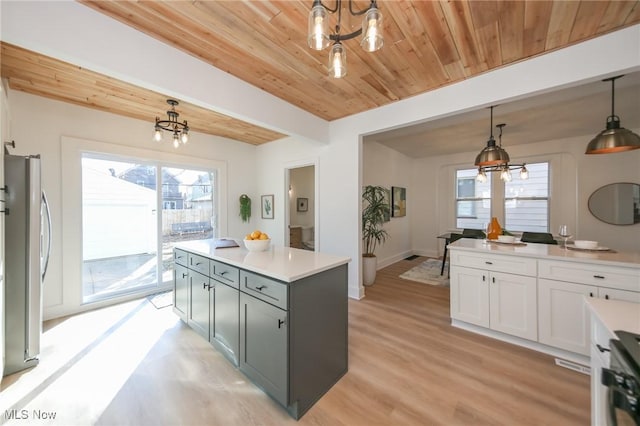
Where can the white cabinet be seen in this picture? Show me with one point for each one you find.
(504, 302)
(563, 320)
(599, 350)
(562, 286)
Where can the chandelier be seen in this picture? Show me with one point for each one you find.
(320, 36)
(180, 130)
(614, 138)
(493, 158)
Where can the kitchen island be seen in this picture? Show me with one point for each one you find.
(534, 295)
(279, 315)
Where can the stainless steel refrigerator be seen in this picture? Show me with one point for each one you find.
(27, 248)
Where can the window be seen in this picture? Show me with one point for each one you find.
(126, 245)
(526, 202)
(473, 200)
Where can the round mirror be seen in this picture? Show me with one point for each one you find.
(616, 203)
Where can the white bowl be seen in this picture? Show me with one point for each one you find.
(506, 238)
(586, 244)
(257, 245)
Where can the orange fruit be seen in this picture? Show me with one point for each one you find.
(255, 234)
(263, 237)
(248, 237)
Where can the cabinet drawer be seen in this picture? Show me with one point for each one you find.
(225, 273)
(615, 294)
(490, 262)
(264, 288)
(588, 273)
(180, 257)
(198, 263)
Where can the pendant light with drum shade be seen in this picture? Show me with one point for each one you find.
(493, 158)
(614, 138)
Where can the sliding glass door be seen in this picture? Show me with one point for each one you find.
(126, 244)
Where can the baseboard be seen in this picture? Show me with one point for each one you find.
(383, 263)
(539, 347)
(356, 293)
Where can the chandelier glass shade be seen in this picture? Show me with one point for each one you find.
(493, 158)
(180, 131)
(320, 36)
(614, 138)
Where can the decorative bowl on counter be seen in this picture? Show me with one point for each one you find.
(586, 244)
(257, 245)
(506, 238)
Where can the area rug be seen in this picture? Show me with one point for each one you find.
(428, 272)
(161, 300)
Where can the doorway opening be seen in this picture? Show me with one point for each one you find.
(302, 207)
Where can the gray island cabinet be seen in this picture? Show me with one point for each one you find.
(279, 315)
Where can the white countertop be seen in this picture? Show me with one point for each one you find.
(548, 251)
(616, 314)
(282, 263)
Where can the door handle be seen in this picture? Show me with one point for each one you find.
(602, 348)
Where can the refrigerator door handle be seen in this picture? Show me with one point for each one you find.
(47, 254)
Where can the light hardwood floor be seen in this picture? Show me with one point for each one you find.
(133, 364)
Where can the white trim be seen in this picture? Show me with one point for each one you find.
(72, 150)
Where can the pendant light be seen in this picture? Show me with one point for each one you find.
(493, 158)
(614, 138)
(319, 35)
(179, 130)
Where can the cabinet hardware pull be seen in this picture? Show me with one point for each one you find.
(606, 296)
(484, 278)
(493, 280)
(204, 286)
(488, 263)
(184, 275)
(600, 277)
(591, 294)
(198, 263)
(223, 272)
(280, 323)
(260, 287)
(602, 349)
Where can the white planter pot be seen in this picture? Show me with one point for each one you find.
(369, 266)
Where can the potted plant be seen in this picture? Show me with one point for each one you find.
(375, 209)
(245, 208)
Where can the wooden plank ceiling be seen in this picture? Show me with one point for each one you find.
(428, 44)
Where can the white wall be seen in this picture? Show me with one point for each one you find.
(385, 167)
(39, 125)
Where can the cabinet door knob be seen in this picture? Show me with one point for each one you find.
(493, 280)
(602, 348)
(484, 278)
(606, 296)
(591, 294)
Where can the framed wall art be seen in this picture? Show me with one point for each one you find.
(398, 201)
(267, 206)
(303, 204)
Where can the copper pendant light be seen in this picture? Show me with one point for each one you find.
(614, 138)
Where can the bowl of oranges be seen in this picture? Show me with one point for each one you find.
(257, 241)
